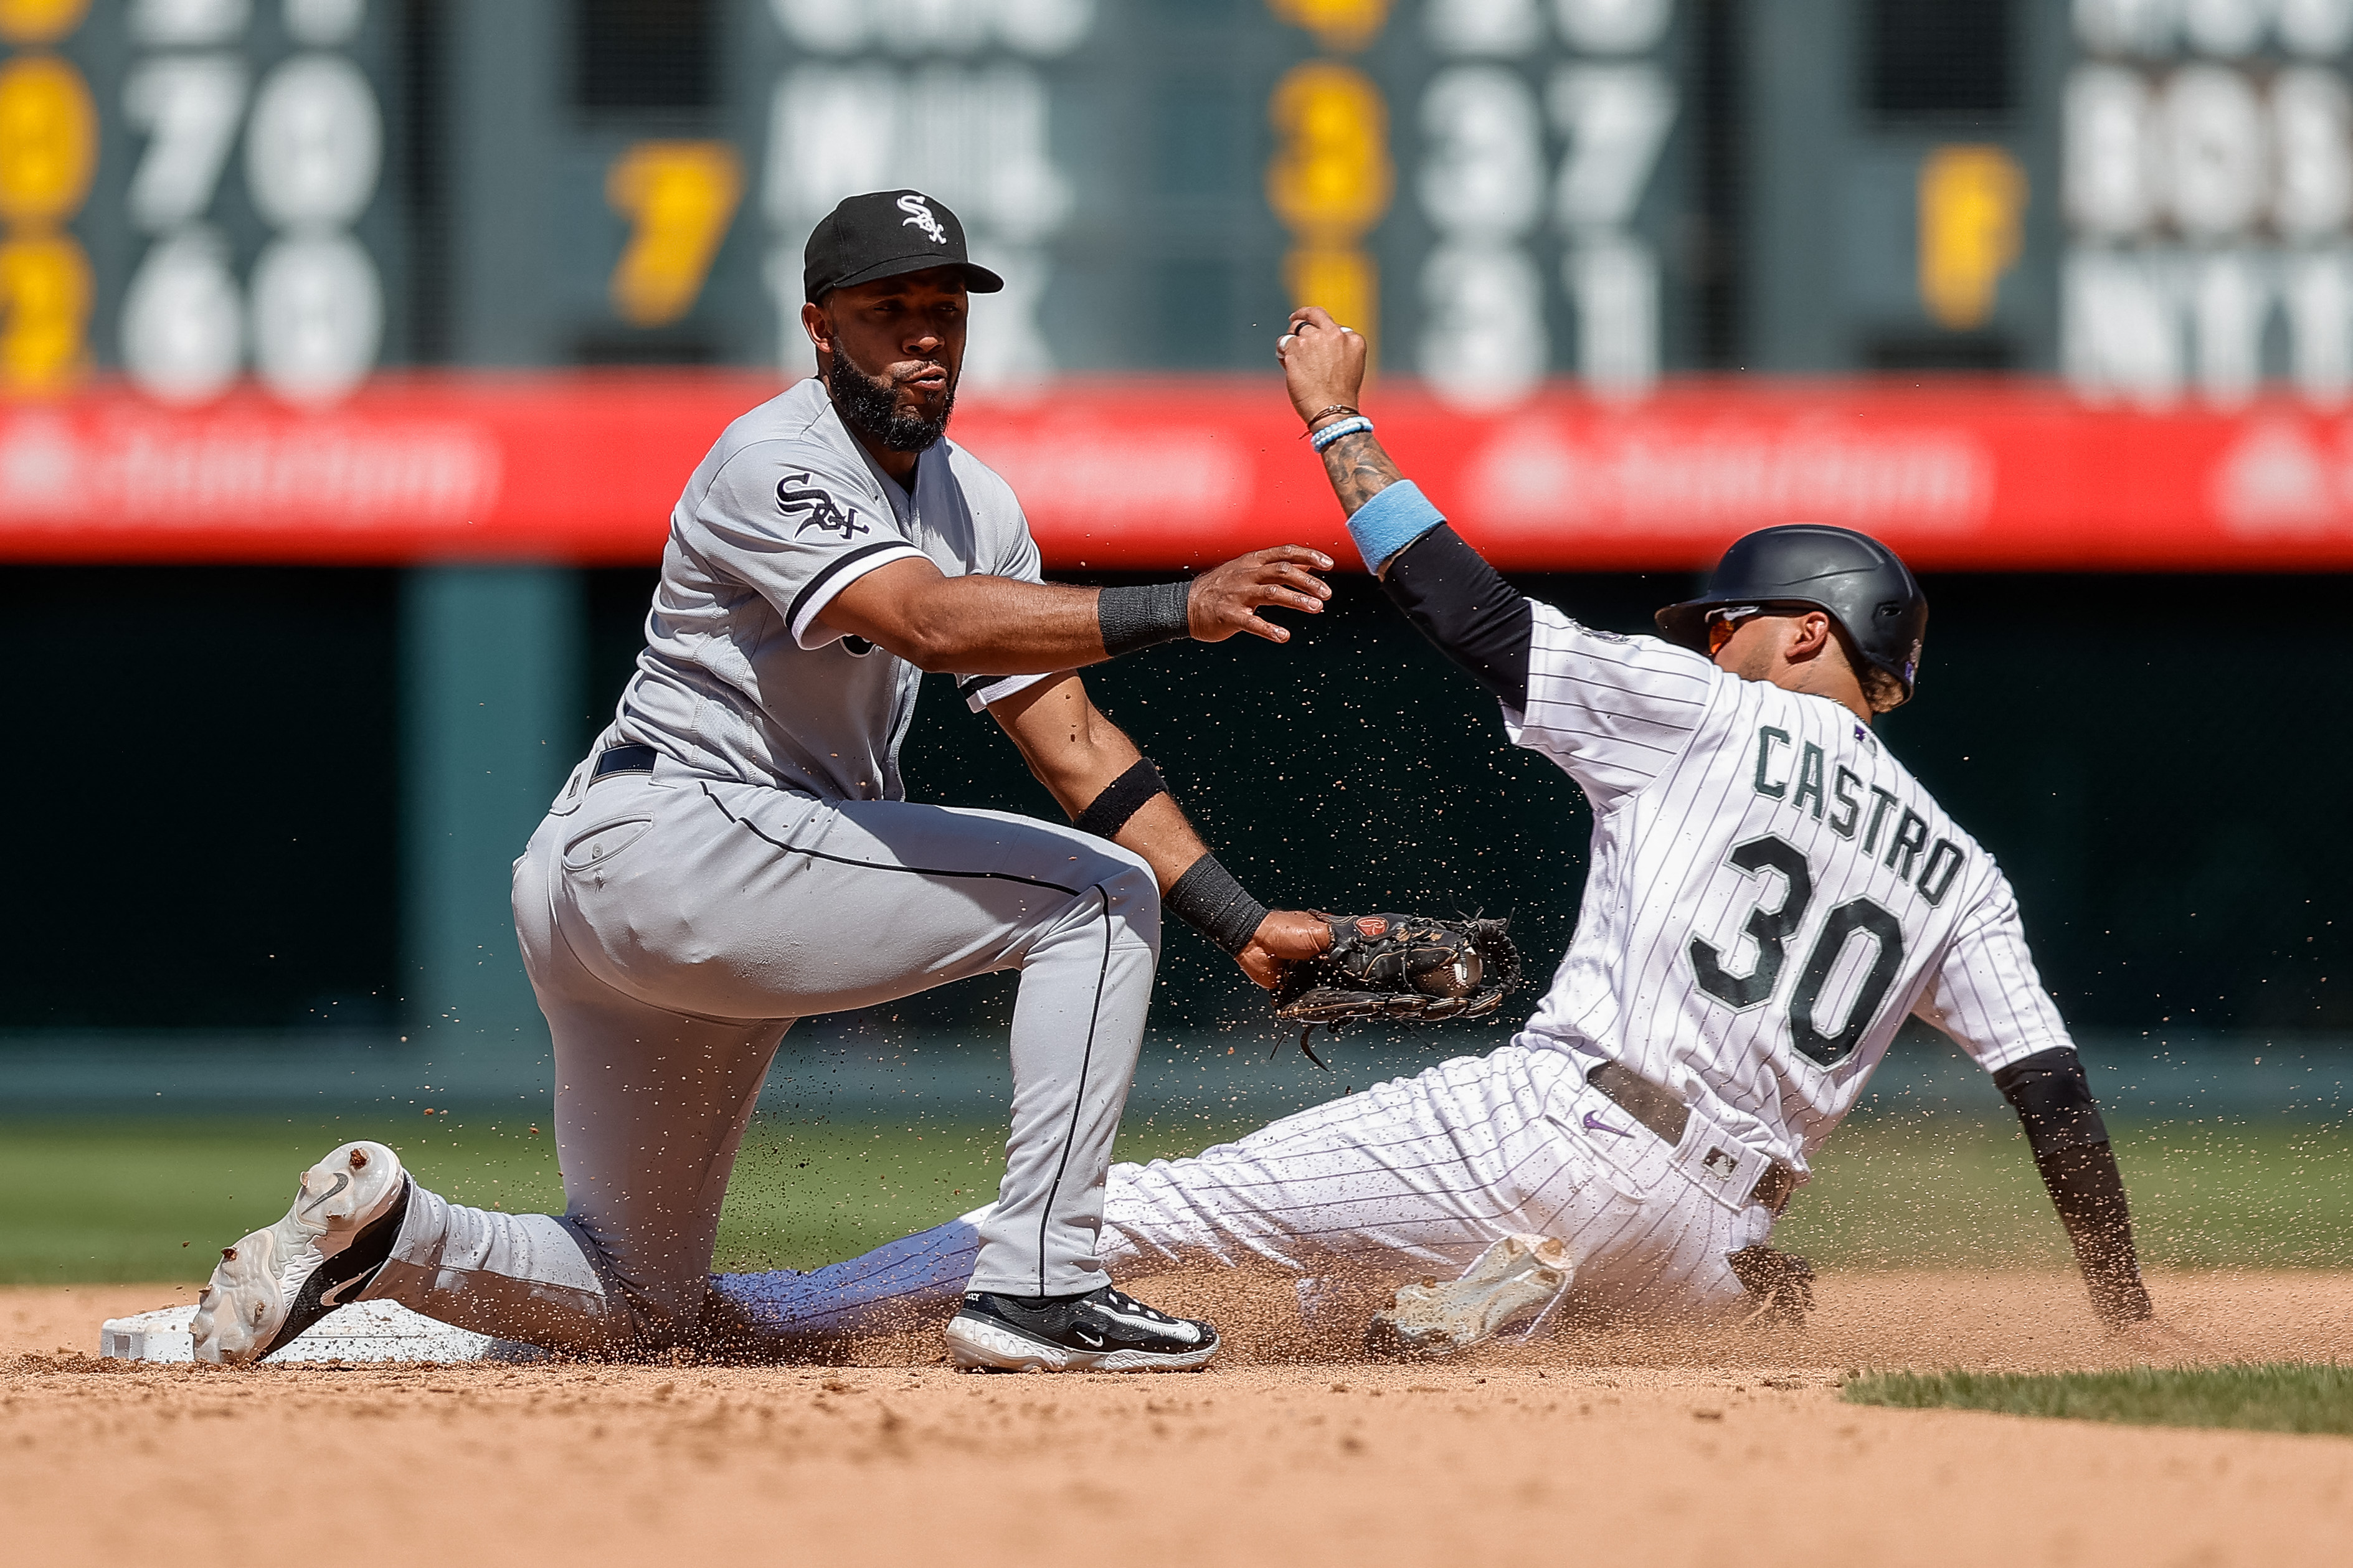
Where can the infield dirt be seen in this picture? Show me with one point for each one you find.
(1719, 1451)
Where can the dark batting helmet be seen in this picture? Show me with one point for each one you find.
(1853, 577)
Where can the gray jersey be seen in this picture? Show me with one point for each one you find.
(740, 679)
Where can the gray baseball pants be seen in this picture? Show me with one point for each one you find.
(674, 926)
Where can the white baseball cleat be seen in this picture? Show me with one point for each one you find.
(1430, 1320)
(277, 1282)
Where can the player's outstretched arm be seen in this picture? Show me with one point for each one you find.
(1110, 789)
(2052, 1097)
(1324, 370)
(999, 626)
(1445, 588)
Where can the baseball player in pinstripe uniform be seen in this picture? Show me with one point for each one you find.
(736, 852)
(1770, 894)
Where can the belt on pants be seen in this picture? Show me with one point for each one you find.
(1656, 1108)
(622, 760)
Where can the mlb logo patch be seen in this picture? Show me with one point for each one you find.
(1720, 1164)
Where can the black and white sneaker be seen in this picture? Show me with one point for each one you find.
(1101, 1330)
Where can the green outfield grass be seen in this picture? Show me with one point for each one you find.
(96, 1201)
(1894, 1193)
(116, 1200)
(2276, 1396)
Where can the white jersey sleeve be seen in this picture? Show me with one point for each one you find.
(1986, 995)
(1615, 711)
(796, 532)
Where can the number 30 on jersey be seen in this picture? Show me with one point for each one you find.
(1773, 930)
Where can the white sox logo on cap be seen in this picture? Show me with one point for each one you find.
(865, 240)
(920, 216)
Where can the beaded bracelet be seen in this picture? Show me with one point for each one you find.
(1322, 438)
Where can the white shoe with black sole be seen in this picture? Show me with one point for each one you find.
(275, 1283)
(1518, 1274)
(1102, 1330)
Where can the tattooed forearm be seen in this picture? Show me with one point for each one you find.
(1359, 469)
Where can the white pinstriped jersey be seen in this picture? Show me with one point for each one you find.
(1770, 893)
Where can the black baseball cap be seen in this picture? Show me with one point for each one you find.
(883, 234)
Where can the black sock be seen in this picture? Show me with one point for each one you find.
(372, 1246)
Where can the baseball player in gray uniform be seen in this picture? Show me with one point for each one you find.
(1771, 893)
(736, 852)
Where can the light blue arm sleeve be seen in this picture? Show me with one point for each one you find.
(1392, 519)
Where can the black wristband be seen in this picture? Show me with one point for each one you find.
(2052, 1096)
(1120, 799)
(1207, 899)
(1133, 618)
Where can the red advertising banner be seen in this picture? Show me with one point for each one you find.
(1151, 474)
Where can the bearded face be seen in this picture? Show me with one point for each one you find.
(870, 404)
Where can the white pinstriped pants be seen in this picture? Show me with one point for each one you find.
(1423, 1174)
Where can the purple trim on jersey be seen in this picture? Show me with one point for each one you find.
(928, 1268)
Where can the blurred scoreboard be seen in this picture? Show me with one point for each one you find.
(2207, 180)
(2150, 198)
(301, 190)
(197, 190)
(2014, 282)
(1488, 187)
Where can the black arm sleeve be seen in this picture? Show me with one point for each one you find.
(2054, 1101)
(1461, 604)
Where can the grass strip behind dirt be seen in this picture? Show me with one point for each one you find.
(1896, 1192)
(94, 1200)
(85, 1202)
(2269, 1396)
